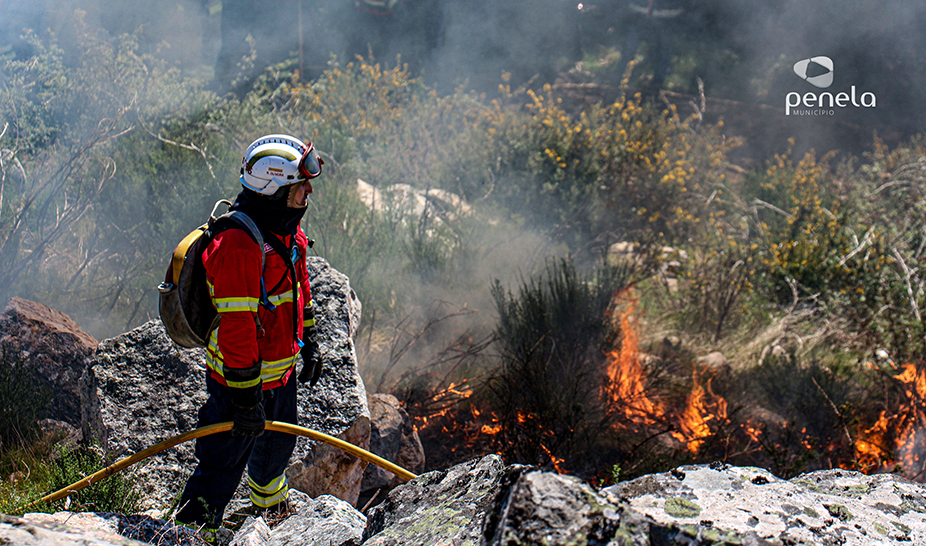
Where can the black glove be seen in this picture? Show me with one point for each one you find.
(248, 421)
(249, 413)
(311, 364)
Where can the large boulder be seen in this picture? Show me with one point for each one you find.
(337, 405)
(325, 520)
(52, 346)
(392, 437)
(97, 528)
(823, 507)
(147, 390)
(547, 508)
(143, 389)
(440, 507)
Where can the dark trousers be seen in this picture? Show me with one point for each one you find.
(223, 457)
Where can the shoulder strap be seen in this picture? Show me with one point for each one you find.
(245, 222)
(289, 257)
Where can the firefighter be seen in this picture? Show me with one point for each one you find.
(267, 320)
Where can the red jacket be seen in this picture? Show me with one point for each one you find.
(249, 332)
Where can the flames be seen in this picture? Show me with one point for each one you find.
(686, 415)
(626, 386)
(897, 440)
(702, 409)
(632, 397)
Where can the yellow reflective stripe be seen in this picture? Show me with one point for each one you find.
(275, 370)
(214, 357)
(273, 493)
(243, 384)
(229, 305)
(211, 289)
(307, 323)
(267, 502)
(286, 154)
(281, 298)
(273, 487)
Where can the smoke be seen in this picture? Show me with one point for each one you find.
(743, 50)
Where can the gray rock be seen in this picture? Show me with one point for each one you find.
(54, 347)
(338, 404)
(543, 507)
(546, 508)
(441, 507)
(714, 361)
(148, 390)
(34, 531)
(90, 527)
(142, 389)
(392, 437)
(824, 507)
(326, 520)
(254, 532)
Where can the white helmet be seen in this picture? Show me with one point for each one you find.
(274, 161)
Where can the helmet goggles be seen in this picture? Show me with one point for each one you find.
(310, 164)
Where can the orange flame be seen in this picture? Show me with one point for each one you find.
(702, 408)
(627, 389)
(898, 438)
(626, 386)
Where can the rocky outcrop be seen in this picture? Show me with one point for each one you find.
(325, 520)
(145, 389)
(483, 502)
(823, 507)
(53, 347)
(392, 437)
(148, 390)
(338, 404)
(99, 529)
(441, 507)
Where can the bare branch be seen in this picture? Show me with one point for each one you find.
(908, 273)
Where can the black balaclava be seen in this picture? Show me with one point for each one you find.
(270, 212)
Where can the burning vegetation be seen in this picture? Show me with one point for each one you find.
(650, 411)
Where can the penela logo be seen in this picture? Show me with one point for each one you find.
(818, 72)
(808, 70)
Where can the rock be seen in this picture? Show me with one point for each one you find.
(31, 531)
(440, 507)
(716, 369)
(714, 361)
(147, 390)
(672, 343)
(392, 437)
(62, 434)
(823, 507)
(91, 527)
(542, 507)
(253, 532)
(326, 520)
(54, 347)
(338, 404)
(547, 508)
(441, 204)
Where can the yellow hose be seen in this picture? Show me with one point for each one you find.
(222, 427)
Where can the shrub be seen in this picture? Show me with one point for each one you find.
(551, 335)
(116, 493)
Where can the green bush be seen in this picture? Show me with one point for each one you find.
(117, 493)
(552, 334)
